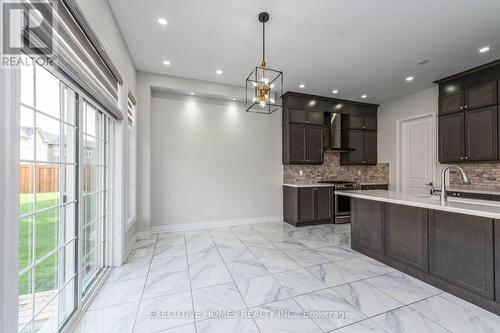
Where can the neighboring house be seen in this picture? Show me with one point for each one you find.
(48, 146)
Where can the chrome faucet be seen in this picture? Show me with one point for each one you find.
(443, 195)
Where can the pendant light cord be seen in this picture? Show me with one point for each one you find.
(263, 44)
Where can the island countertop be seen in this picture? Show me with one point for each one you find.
(474, 207)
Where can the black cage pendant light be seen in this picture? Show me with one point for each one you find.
(264, 85)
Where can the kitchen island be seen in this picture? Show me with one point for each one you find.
(454, 246)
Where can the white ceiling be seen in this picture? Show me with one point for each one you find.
(356, 46)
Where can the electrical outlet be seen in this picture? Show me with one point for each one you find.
(301, 173)
(359, 172)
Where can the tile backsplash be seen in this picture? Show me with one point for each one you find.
(480, 174)
(331, 169)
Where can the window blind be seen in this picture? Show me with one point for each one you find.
(77, 52)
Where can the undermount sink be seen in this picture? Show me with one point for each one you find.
(460, 200)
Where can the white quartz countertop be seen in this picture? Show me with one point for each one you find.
(483, 208)
(310, 185)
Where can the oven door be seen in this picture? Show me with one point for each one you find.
(342, 209)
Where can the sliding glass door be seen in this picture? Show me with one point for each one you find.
(62, 200)
(93, 226)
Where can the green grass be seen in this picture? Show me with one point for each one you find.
(46, 236)
(46, 229)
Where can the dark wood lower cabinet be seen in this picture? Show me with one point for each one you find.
(307, 205)
(457, 253)
(496, 241)
(368, 224)
(461, 251)
(406, 235)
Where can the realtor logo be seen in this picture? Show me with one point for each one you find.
(27, 27)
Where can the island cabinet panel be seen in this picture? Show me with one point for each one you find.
(367, 224)
(497, 259)
(406, 235)
(461, 251)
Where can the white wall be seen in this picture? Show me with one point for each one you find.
(146, 82)
(212, 161)
(421, 103)
(102, 21)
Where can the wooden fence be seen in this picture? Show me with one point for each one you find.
(47, 178)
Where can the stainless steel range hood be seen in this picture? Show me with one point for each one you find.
(332, 133)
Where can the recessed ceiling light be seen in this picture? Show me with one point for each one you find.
(302, 86)
(234, 98)
(409, 78)
(162, 21)
(484, 49)
(335, 91)
(166, 62)
(191, 93)
(364, 96)
(218, 72)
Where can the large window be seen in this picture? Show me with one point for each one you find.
(62, 200)
(93, 226)
(132, 160)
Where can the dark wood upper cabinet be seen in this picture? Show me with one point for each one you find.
(305, 117)
(297, 141)
(364, 144)
(480, 96)
(481, 134)
(469, 136)
(452, 137)
(302, 144)
(369, 148)
(298, 116)
(451, 103)
(363, 122)
(314, 142)
(468, 115)
(305, 122)
(315, 118)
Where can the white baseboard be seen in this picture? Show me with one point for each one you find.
(214, 224)
(129, 247)
(143, 234)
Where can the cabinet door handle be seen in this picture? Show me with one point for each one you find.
(462, 158)
(461, 108)
(466, 158)
(465, 107)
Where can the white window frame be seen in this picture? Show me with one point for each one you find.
(132, 161)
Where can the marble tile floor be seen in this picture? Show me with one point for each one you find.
(270, 277)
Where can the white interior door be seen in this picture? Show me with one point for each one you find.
(417, 154)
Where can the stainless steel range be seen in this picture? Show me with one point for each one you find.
(342, 203)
